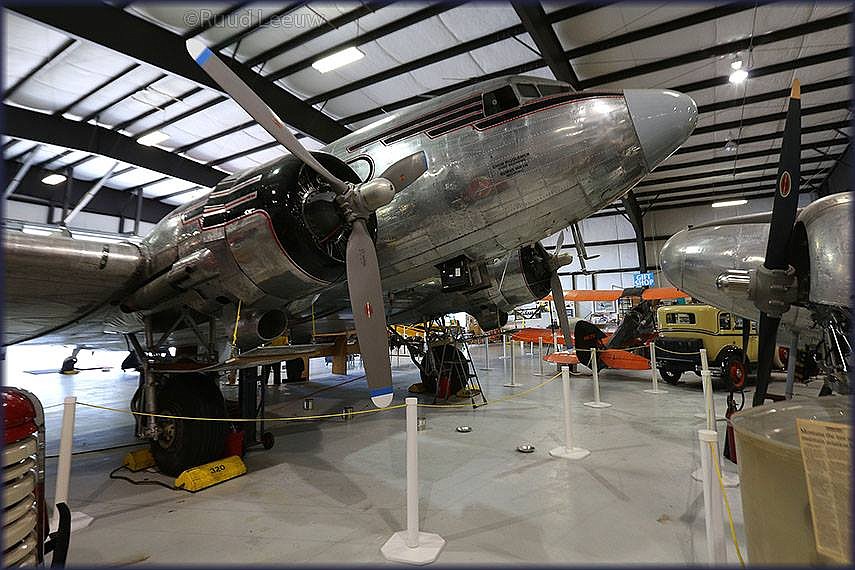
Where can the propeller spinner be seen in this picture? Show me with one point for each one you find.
(358, 203)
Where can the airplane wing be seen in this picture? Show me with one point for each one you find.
(257, 357)
(56, 283)
(653, 293)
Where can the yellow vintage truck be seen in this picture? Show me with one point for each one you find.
(685, 329)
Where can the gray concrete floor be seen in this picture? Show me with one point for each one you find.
(333, 490)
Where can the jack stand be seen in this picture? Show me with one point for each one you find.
(250, 407)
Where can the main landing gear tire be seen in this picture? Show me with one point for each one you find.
(670, 376)
(182, 444)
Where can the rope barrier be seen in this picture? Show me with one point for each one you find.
(315, 417)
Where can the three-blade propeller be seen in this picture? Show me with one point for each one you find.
(359, 202)
(784, 212)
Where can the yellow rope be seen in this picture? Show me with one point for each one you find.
(287, 419)
(237, 320)
(726, 504)
(316, 417)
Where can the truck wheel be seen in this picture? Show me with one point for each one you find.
(182, 444)
(670, 376)
(734, 373)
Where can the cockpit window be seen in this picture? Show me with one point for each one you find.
(552, 89)
(528, 90)
(499, 100)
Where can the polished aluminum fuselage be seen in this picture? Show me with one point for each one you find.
(694, 258)
(487, 192)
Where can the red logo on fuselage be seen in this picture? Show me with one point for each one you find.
(784, 184)
(368, 310)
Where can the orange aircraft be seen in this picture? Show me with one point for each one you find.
(626, 348)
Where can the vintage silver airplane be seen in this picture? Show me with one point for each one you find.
(786, 267)
(454, 193)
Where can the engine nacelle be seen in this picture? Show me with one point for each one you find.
(525, 279)
(258, 327)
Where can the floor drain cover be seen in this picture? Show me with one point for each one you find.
(464, 429)
(526, 448)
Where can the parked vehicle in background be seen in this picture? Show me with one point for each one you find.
(685, 329)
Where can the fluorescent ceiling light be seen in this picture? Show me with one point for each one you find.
(729, 203)
(53, 179)
(738, 76)
(338, 59)
(36, 231)
(730, 146)
(152, 139)
(736, 64)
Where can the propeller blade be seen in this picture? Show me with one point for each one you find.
(559, 242)
(257, 108)
(366, 300)
(406, 171)
(785, 206)
(784, 212)
(560, 308)
(768, 333)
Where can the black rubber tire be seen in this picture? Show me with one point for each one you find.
(670, 376)
(194, 442)
(734, 373)
(267, 440)
(294, 370)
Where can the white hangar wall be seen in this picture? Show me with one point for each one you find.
(38, 214)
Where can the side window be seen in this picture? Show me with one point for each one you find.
(724, 323)
(680, 318)
(362, 167)
(551, 89)
(528, 90)
(737, 323)
(499, 100)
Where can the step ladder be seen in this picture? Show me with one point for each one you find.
(472, 383)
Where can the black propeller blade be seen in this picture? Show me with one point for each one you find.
(784, 211)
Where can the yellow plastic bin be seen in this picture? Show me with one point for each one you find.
(775, 502)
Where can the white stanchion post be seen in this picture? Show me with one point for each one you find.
(554, 341)
(63, 469)
(531, 349)
(654, 373)
(568, 450)
(540, 355)
(486, 353)
(729, 479)
(597, 403)
(709, 408)
(513, 382)
(411, 545)
(504, 347)
(713, 500)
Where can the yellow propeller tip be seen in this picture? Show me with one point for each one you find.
(796, 92)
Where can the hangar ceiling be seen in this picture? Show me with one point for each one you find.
(83, 83)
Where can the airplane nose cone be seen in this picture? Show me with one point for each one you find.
(663, 120)
(671, 258)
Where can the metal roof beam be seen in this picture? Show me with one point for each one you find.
(243, 153)
(772, 95)
(834, 126)
(726, 172)
(238, 36)
(644, 193)
(375, 34)
(160, 48)
(820, 25)
(772, 117)
(535, 22)
(41, 65)
(312, 34)
(30, 125)
(97, 88)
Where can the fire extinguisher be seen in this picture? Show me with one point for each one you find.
(729, 438)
